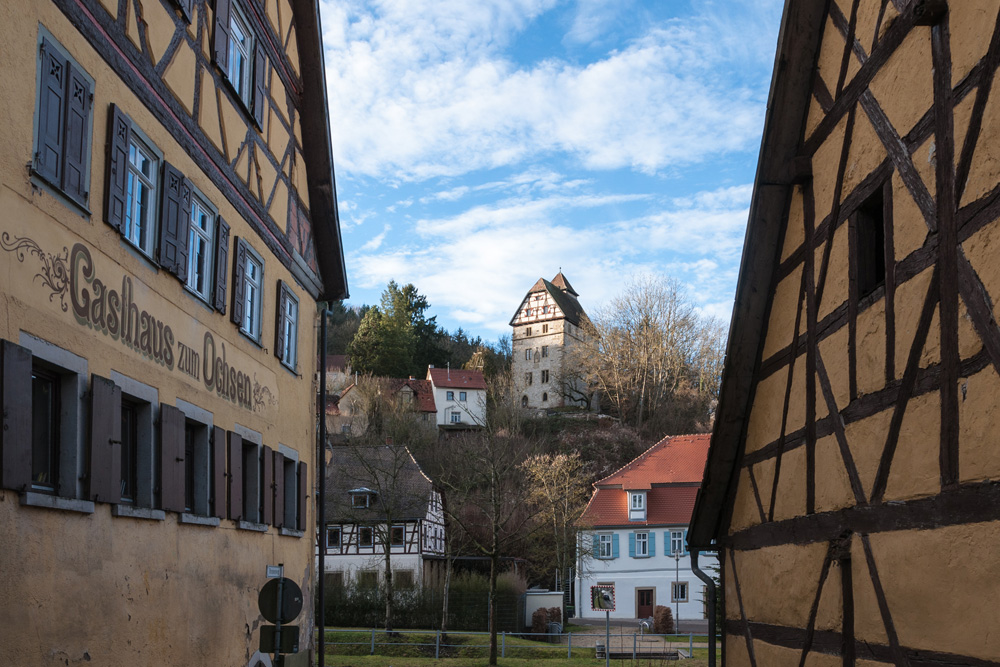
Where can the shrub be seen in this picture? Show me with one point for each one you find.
(663, 620)
(539, 620)
(555, 615)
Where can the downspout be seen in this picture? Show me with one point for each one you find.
(710, 585)
(321, 495)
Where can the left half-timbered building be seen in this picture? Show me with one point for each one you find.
(168, 225)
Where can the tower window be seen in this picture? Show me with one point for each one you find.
(870, 232)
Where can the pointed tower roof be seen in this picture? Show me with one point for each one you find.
(563, 284)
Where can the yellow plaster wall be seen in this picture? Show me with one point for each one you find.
(159, 28)
(745, 513)
(969, 39)
(790, 500)
(825, 162)
(904, 78)
(797, 567)
(831, 55)
(865, 154)
(736, 649)
(981, 249)
(979, 456)
(837, 277)
(179, 76)
(871, 345)
(781, 327)
(909, 302)
(909, 229)
(833, 352)
(867, 19)
(765, 417)
(866, 440)
(916, 468)
(833, 488)
(795, 227)
(985, 170)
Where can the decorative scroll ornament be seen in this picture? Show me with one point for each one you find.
(55, 268)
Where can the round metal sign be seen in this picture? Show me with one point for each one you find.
(291, 600)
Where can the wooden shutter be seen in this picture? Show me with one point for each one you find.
(218, 500)
(239, 281)
(51, 107)
(279, 321)
(171, 458)
(267, 486)
(235, 478)
(631, 545)
(175, 221)
(279, 489)
(651, 543)
(105, 441)
(116, 175)
(15, 434)
(221, 262)
(259, 88)
(220, 40)
(303, 482)
(76, 142)
(597, 546)
(614, 545)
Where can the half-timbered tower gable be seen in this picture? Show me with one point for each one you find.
(852, 483)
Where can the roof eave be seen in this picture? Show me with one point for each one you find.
(788, 100)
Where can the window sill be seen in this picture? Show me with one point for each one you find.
(291, 532)
(252, 525)
(133, 512)
(43, 184)
(197, 519)
(33, 499)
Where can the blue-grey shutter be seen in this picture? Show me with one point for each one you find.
(666, 543)
(51, 107)
(301, 508)
(220, 40)
(116, 173)
(235, 476)
(631, 545)
(175, 221)
(105, 441)
(15, 431)
(651, 541)
(259, 87)
(279, 320)
(239, 281)
(267, 486)
(217, 502)
(171, 458)
(279, 490)
(684, 544)
(76, 142)
(614, 545)
(221, 264)
(597, 546)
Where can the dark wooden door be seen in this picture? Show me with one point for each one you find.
(644, 603)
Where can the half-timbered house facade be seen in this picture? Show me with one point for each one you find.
(169, 223)
(852, 481)
(383, 515)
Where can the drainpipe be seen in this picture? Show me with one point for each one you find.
(321, 495)
(710, 584)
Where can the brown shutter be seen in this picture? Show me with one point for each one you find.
(279, 321)
(220, 40)
(15, 399)
(239, 284)
(235, 478)
(221, 262)
(171, 458)
(267, 487)
(175, 221)
(105, 441)
(300, 518)
(76, 142)
(119, 135)
(218, 500)
(51, 107)
(259, 88)
(279, 489)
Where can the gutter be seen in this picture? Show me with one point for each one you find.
(710, 585)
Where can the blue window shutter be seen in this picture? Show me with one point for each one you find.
(666, 543)
(614, 546)
(651, 541)
(631, 545)
(597, 546)
(684, 545)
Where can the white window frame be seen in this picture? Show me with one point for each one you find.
(242, 81)
(462, 396)
(638, 501)
(675, 588)
(201, 266)
(290, 330)
(605, 546)
(139, 144)
(456, 417)
(449, 395)
(642, 545)
(253, 295)
(676, 542)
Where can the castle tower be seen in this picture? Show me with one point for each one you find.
(546, 326)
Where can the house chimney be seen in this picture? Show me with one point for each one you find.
(449, 371)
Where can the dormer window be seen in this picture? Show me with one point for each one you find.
(637, 506)
(361, 498)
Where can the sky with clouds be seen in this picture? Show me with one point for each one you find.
(482, 144)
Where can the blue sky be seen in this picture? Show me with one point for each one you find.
(482, 144)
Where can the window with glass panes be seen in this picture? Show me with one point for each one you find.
(240, 50)
(45, 411)
(251, 297)
(605, 547)
(676, 541)
(200, 248)
(140, 193)
(641, 544)
(129, 449)
(289, 326)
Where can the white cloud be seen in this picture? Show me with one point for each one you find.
(423, 89)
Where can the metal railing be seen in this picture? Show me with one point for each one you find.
(623, 644)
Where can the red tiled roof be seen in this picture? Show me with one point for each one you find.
(670, 472)
(676, 458)
(665, 506)
(422, 388)
(456, 379)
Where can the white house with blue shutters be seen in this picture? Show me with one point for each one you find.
(634, 534)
